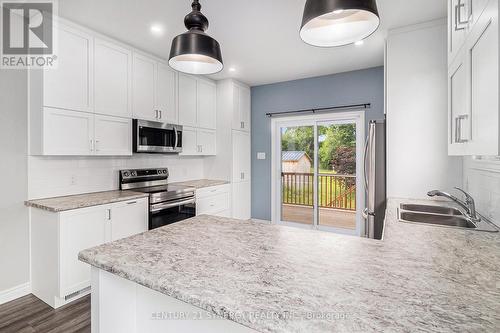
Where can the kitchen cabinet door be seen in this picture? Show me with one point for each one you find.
(143, 88)
(206, 140)
(166, 81)
(69, 85)
(67, 132)
(129, 218)
(241, 200)
(241, 156)
(112, 79)
(189, 142)
(483, 57)
(206, 104)
(459, 116)
(113, 136)
(244, 108)
(79, 229)
(187, 100)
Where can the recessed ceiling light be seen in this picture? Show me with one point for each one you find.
(232, 69)
(157, 29)
(359, 42)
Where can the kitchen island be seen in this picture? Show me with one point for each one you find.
(269, 278)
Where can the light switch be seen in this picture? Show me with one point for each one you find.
(261, 156)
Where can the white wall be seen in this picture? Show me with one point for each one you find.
(417, 153)
(482, 180)
(14, 227)
(57, 176)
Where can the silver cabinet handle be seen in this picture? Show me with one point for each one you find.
(91, 145)
(156, 111)
(458, 16)
(160, 113)
(131, 202)
(96, 145)
(158, 207)
(176, 133)
(242, 124)
(242, 175)
(109, 214)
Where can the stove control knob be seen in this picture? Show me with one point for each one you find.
(134, 173)
(165, 171)
(126, 174)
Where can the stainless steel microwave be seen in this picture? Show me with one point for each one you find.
(156, 137)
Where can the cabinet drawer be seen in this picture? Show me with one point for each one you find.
(212, 190)
(212, 204)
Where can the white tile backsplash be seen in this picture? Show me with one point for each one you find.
(482, 180)
(57, 176)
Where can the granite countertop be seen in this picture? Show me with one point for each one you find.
(59, 204)
(419, 277)
(201, 183)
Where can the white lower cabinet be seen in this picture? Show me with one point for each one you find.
(198, 142)
(65, 132)
(241, 195)
(58, 277)
(214, 200)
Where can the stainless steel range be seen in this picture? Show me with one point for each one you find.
(167, 203)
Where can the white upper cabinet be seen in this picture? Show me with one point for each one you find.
(112, 79)
(113, 135)
(474, 121)
(143, 88)
(206, 104)
(206, 140)
(166, 81)
(241, 156)
(154, 90)
(483, 64)
(67, 132)
(187, 100)
(70, 84)
(241, 107)
(189, 141)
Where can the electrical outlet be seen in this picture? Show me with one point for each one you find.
(73, 180)
(261, 156)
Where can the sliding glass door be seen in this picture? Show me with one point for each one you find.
(316, 169)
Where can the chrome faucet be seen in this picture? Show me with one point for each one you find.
(468, 205)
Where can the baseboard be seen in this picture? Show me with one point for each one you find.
(15, 292)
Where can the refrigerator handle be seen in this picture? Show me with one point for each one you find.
(365, 156)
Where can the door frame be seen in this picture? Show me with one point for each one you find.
(358, 117)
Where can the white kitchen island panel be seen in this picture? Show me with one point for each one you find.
(120, 305)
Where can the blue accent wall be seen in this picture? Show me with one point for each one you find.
(357, 87)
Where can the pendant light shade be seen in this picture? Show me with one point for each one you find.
(328, 23)
(194, 51)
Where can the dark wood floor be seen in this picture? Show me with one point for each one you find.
(28, 314)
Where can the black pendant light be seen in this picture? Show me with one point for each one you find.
(194, 51)
(328, 23)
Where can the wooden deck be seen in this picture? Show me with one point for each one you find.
(327, 216)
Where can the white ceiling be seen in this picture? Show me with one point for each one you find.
(259, 38)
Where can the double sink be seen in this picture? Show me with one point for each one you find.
(441, 216)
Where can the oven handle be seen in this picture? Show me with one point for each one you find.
(158, 207)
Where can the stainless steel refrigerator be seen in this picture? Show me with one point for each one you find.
(375, 179)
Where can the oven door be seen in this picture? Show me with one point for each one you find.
(156, 137)
(165, 213)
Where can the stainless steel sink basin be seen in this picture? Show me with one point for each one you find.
(441, 220)
(431, 209)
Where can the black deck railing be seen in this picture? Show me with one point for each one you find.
(334, 191)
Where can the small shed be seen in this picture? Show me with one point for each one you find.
(295, 162)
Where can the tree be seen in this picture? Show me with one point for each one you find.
(344, 161)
